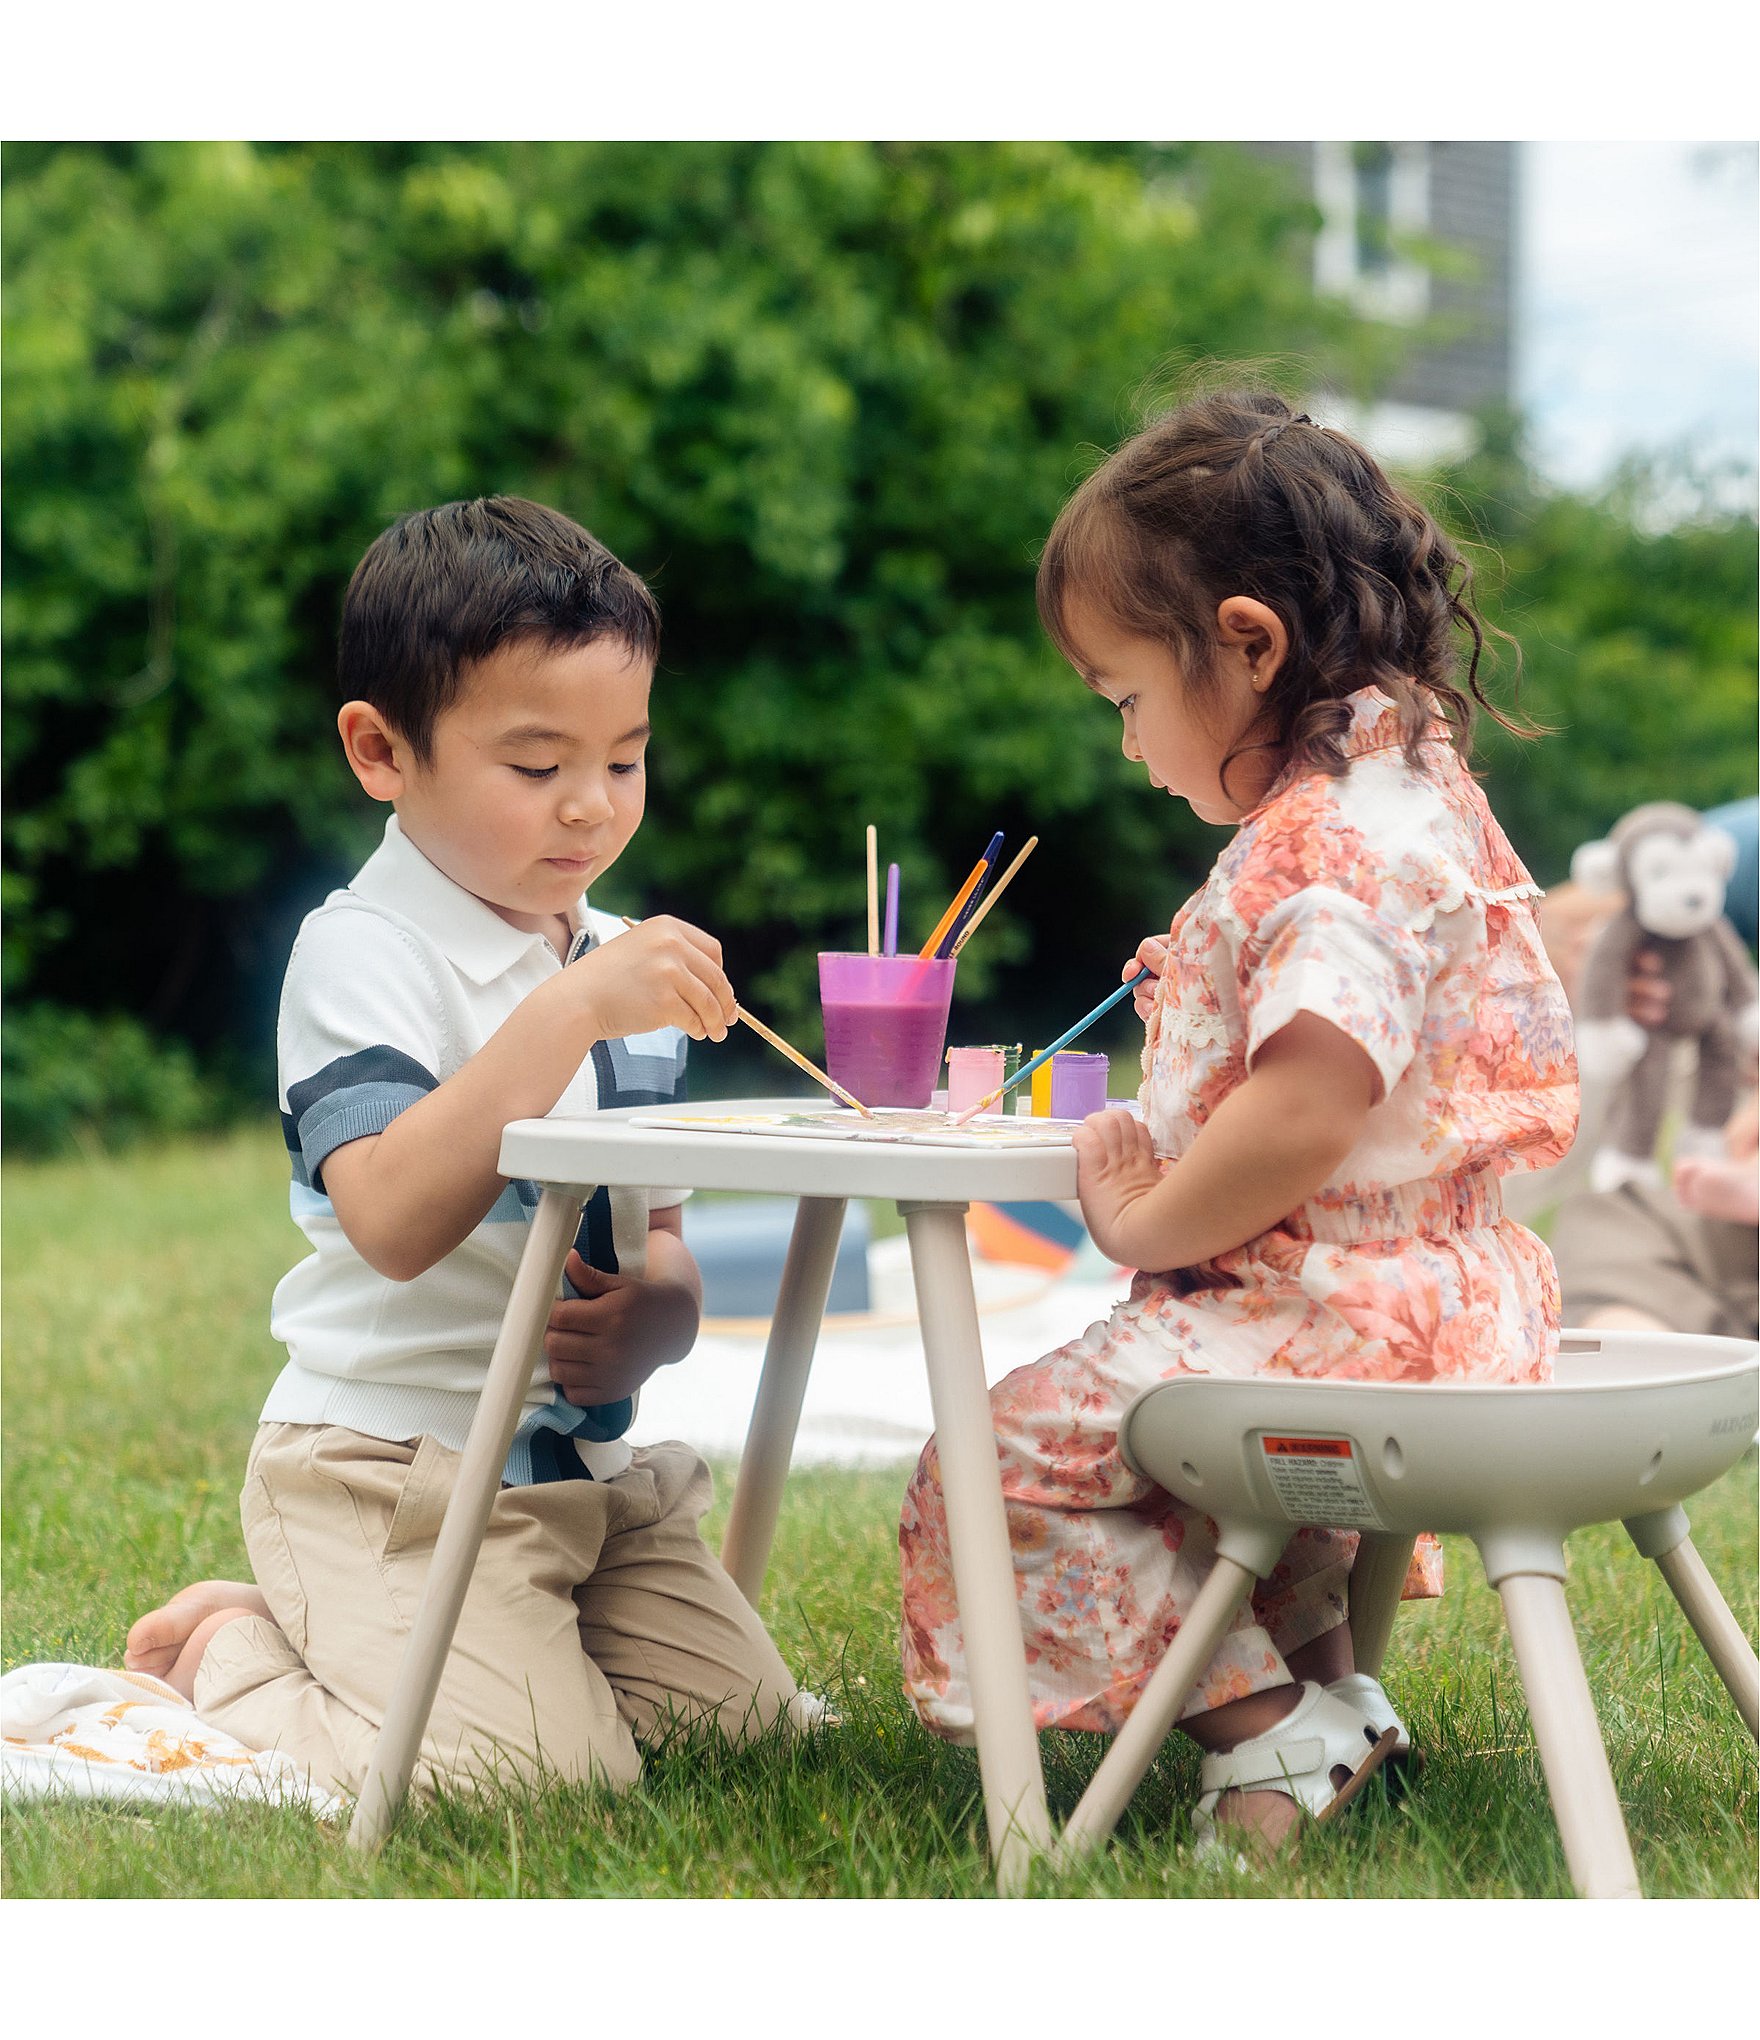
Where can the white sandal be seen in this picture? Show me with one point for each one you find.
(1359, 1690)
(1297, 1756)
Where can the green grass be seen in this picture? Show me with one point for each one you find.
(137, 1357)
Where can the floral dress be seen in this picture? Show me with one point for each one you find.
(1388, 901)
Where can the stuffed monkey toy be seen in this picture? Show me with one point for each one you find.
(1672, 870)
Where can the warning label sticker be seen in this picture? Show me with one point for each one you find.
(1316, 1480)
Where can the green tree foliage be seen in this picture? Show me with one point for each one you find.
(828, 397)
(77, 1080)
(1639, 640)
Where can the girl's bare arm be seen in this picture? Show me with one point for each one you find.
(1265, 1149)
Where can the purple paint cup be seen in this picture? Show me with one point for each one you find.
(885, 1024)
(1078, 1084)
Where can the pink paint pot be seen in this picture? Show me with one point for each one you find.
(885, 1024)
(972, 1074)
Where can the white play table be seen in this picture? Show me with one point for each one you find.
(568, 1159)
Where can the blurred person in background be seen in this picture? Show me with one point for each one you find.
(1681, 1257)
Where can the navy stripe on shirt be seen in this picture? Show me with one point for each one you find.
(637, 1077)
(349, 1099)
(361, 1094)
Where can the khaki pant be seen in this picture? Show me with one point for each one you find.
(596, 1617)
(1637, 1247)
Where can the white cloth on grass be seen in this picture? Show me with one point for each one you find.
(81, 1732)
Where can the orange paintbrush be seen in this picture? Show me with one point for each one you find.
(933, 945)
(995, 893)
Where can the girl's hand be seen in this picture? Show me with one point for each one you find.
(1115, 1171)
(1151, 956)
(1271, 1144)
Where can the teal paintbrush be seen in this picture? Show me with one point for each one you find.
(1063, 1041)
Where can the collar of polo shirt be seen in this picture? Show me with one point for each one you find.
(472, 935)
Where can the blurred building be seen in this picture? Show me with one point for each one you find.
(1385, 206)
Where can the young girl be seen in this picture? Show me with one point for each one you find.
(1353, 1033)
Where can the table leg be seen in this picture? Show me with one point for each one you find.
(977, 1534)
(776, 1412)
(553, 1229)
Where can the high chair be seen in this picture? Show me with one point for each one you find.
(1632, 1424)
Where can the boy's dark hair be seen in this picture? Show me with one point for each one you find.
(444, 588)
(1233, 493)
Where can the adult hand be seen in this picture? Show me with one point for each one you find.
(1713, 1188)
(603, 1344)
(1648, 991)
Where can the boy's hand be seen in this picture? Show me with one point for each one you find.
(660, 973)
(1151, 956)
(603, 1344)
(1116, 1170)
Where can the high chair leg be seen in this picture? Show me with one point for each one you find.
(1376, 1579)
(1584, 1803)
(1718, 1630)
(1151, 1720)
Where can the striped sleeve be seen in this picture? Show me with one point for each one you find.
(362, 1035)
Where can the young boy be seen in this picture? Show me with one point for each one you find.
(496, 662)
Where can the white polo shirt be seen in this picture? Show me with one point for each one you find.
(394, 984)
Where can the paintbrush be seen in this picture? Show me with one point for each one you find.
(1063, 1041)
(794, 1055)
(973, 880)
(973, 900)
(994, 894)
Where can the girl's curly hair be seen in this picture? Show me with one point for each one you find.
(1233, 493)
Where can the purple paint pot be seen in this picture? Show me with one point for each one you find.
(1078, 1084)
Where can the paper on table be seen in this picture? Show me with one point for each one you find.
(895, 1126)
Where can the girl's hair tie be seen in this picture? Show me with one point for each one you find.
(1273, 431)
